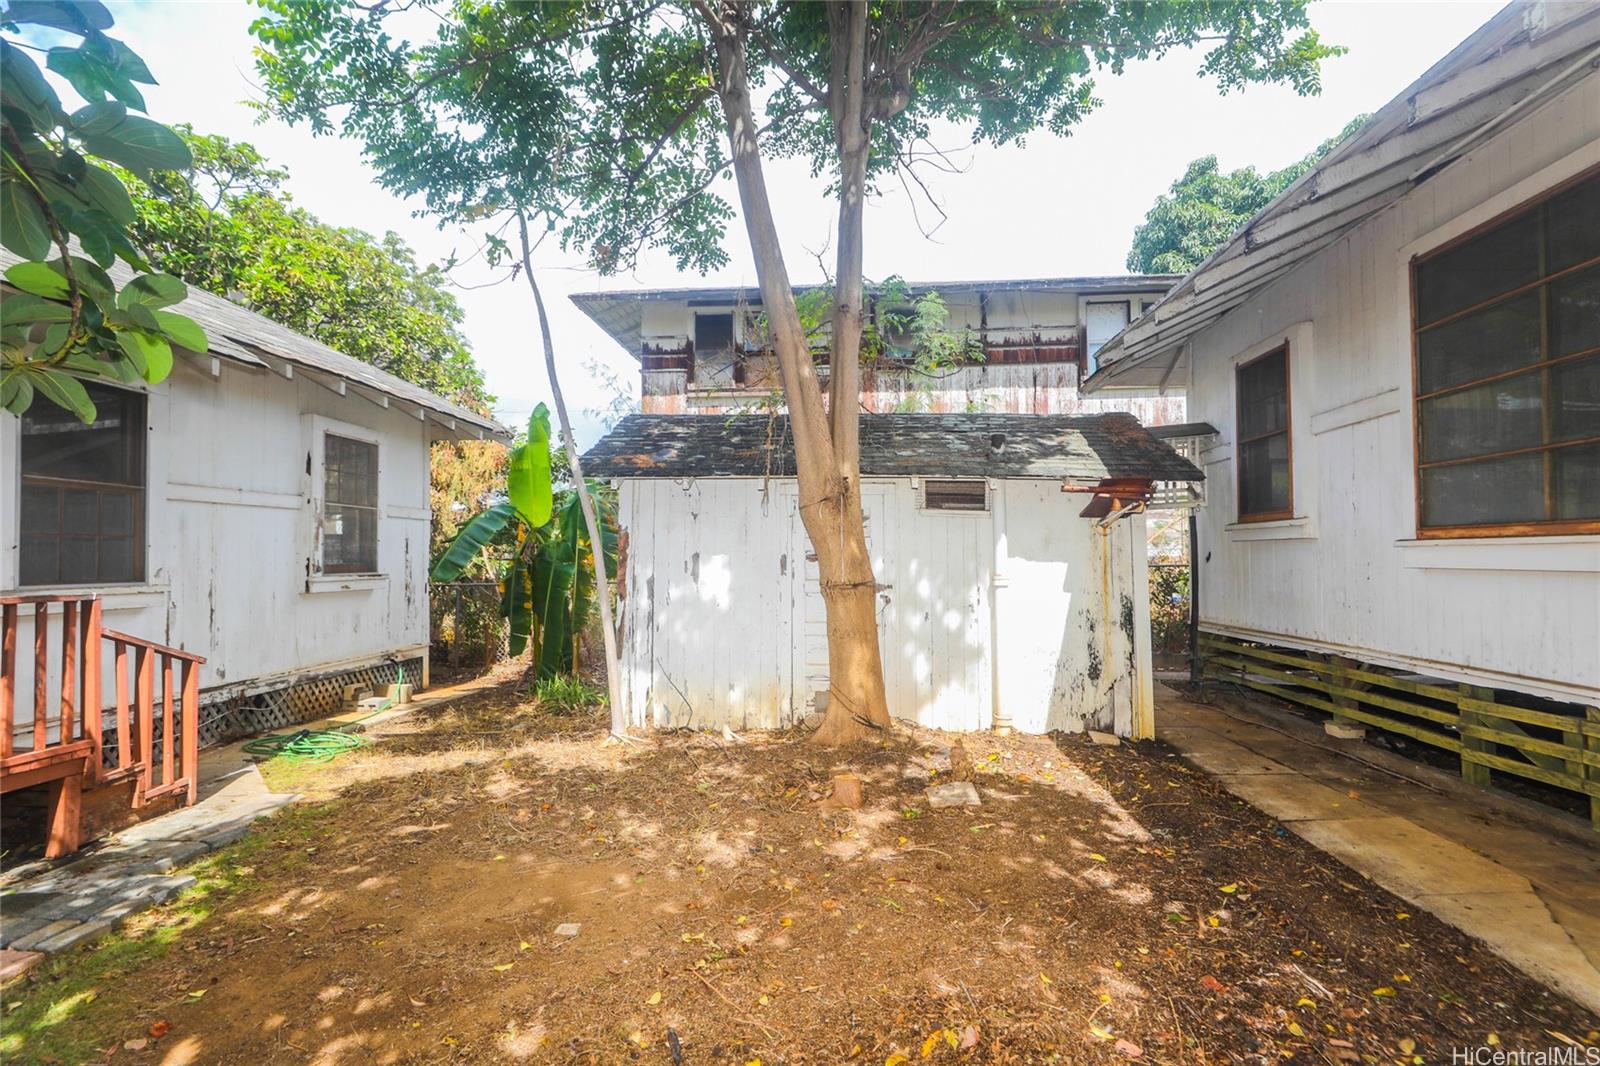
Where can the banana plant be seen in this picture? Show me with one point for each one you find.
(542, 547)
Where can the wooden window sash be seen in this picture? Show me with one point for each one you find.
(1287, 510)
(1548, 524)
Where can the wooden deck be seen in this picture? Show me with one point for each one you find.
(62, 744)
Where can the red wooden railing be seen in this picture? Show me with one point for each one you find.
(70, 757)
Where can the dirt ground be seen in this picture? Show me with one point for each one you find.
(1102, 905)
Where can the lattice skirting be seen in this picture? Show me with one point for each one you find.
(225, 719)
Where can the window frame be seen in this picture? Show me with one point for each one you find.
(349, 433)
(138, 430)
(1543, 367)
(1129, 313)
(1242, 516)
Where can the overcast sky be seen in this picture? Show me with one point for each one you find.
(1055, 206)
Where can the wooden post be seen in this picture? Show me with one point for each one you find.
(8, 677)
(191, 728)
(1592, 773)
(41, 671)
(144, 710)
(125, 737)
(92, 706)
(69, 669)
(169, 741)
(1341, 696)
(1471, 772)
(66, 808)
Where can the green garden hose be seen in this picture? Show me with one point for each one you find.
(306, 745)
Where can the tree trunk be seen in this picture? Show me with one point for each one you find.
(602, 592)
(830, 490)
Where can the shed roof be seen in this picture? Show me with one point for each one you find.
(621, 313)
(243, 336)
(1527, 54)
(1083, 449)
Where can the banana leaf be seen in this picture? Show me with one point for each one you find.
(551, 583)
(528, 476)
(470, 542)
(517, 603)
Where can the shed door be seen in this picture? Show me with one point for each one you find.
(812, 620)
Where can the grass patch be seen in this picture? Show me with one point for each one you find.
(566, 695)
(56, 1012)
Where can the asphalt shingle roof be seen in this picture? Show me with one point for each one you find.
(1082, 449)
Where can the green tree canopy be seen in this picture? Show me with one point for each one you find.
(226, 223)
(1206, 206)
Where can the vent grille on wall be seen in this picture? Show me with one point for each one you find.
(955, 495)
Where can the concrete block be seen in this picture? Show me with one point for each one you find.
(1344, 730)
(954, 794)
(1104, 740)
(78, 934)
(354, 693)
(373, 704)
(40, 935)
(399, 694)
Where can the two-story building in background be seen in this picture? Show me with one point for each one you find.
(702, 350)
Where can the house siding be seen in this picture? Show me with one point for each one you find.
(231, 532)
(1347, 573)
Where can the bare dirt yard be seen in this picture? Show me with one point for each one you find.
(1102, 905)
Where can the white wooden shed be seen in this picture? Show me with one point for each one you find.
(998, 602)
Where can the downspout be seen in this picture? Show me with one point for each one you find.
(999, 578)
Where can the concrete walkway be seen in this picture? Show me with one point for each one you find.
(47, 908)
(1493, 866)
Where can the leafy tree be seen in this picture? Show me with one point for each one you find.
(1205, 207)
(71, 322)
(608, 122)
(225, 223)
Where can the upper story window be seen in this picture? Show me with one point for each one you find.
(1266, 481)
(83, 492)
(1102, 321)
(349, 505)
(715, 358)
(1507, 349)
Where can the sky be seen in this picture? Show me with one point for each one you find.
(1054, 206)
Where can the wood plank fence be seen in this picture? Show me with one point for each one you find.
(1487, 736)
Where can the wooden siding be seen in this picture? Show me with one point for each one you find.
(723, 624)
(231, 529)
(1347, 573)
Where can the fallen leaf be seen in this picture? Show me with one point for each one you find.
(932, 1042)
(499, 858)
(896, 1059)
(1305, 1001)
(197, 993)
(503, 967)
(1407, 1045)
(523, 945)
(969, 1038)
(160, 1029)
(1385, 992)
(1044, 978)
(1294, 1027)
(1100, 1032)
(1230, 889)
(1097, 857)
(1212, 984)
(1493, 1040)
(135, 1045)
(655, 998)
(1129, 1048)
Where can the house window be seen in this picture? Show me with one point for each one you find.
(83, 490)
(1266, 481)
(1507, 349)
(349, 506)
(715, 360)
(1102, 321)
(955, 495)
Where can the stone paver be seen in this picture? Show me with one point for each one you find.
(17, 963)
(1528, 892)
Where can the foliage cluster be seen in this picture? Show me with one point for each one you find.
(71, 321)
(1205, 207)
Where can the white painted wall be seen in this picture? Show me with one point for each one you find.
(1348, 573)
(722, 621)
(231, 563)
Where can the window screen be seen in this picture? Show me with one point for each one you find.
(955, 495)
(1508, 371)
(83, 492)
(349, 506)
(1266, 488)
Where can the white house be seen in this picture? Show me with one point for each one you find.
(265, 507)
(702, 350)
(999, 602)
(1402, 356)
